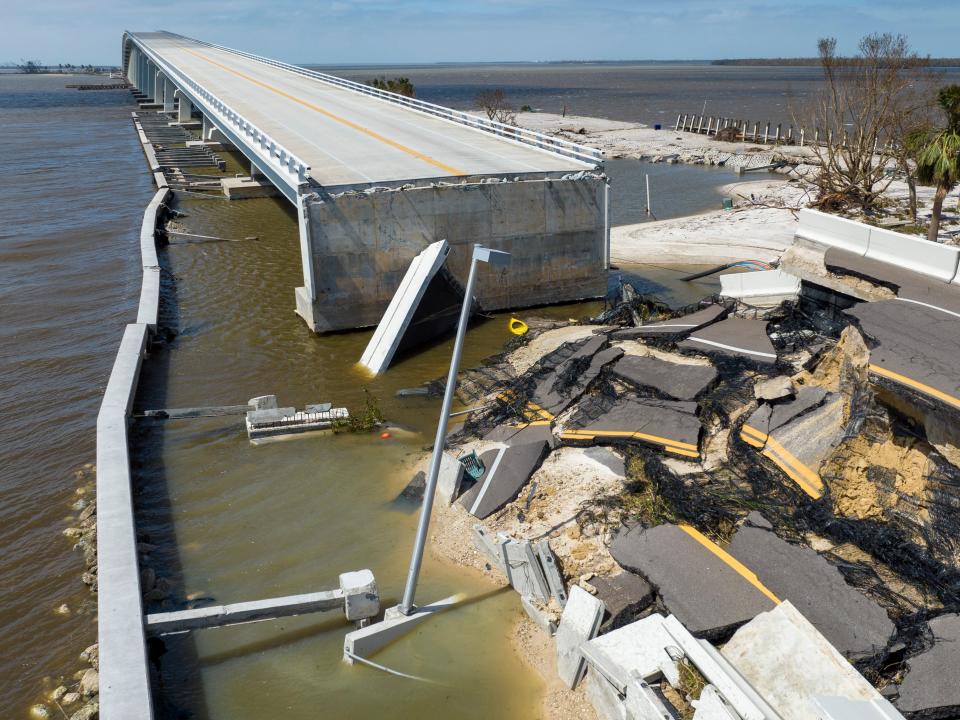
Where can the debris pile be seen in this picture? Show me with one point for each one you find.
(726, 470)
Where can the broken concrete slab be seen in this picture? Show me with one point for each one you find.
(854, 624)
(775, 388)
(625, 596)
(830, 707)
(522, 433)
(929, 689)
(897, 329)
(555, 392)
(579, 623)
(540, 618)
(668, 424)
(709, 591)
(640, 648)
(679, 381)
(449, 479)
(425, 306)
(711, 706)
(506, 470)
(530, 567)
(674, 326)
(799, 435)
(734, 337)
(608, 458)
(788, 661)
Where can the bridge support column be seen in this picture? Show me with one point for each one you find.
(184, 108)
(168, 90)
(306, 296)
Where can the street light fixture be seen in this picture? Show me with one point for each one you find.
(496, 258)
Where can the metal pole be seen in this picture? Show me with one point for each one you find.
(406, 605)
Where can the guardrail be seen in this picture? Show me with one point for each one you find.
(295, 170)
(556, 146)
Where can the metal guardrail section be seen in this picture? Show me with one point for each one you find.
(269, 149)
(509, 133)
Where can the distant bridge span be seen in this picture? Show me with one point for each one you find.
(376, 176)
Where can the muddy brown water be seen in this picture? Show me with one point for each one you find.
(231, 521)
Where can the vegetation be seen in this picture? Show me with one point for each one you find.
(398, 85)
(495, 104)
(369, 417)
(31, 66)
(870, 103)
(938, 154)
(814, 61)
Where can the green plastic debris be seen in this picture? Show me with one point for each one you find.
(472, 465)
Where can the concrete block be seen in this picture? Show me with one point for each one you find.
(928, 690)
(489, 547)
(361, 597)
(244, 188)
(735, 337)
(777, 388)
(675, 326)
(711, 706)
(680, 381)
(548, 563)
(644, 702)
(506, 471)
(839, 708)
(637, 650)
(579, 623)
(854, 624)
(608, 704)
(833, 231)
(788, 662)
(538, 616)
(773, 285)
(451, 475)
(709, 592)
(367, 641)
(523, 569)
(625, 596)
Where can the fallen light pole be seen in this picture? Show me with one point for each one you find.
(403, 617)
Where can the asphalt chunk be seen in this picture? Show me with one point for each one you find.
(930, 689)
(680, 381)
(506, 471)
(736, 337)
(674, 326)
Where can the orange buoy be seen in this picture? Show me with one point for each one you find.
(517, 327)
(384, 435)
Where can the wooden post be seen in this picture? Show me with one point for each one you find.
(756, 129)
(766, 133)
(790, 135)
(743, 130)
(647, 177)
(677, 126)
(777, 139)
(700, 125)
(801, 137)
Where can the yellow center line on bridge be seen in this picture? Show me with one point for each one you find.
(359, 128)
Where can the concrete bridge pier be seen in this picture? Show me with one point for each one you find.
(168, 90)
(184, 107)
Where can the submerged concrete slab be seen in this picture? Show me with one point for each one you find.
(506, 470)
(402, 309)
(675, 326)
(854, 624)
(367, 641)
(680, 381)
(708, 590)
(898, 329)
(625, 595)
(670, 425)
(734, 337)
(798, 435)
(930, 688)
(579, 623)
(789, 663)
(243, 188)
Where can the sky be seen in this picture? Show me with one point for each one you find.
(423, 31)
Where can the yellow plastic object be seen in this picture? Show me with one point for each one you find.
(517, 327)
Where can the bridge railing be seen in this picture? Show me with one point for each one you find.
(513, 133)
(293, 170)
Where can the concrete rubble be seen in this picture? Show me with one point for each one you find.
(733, 337)
(682, 325)
(579, 623)
(675, 380)
(929, 689)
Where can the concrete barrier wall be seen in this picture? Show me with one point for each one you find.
(149, 308)
(125, 692)
(935, 260)
(362, 243)
(834, 231)
(124, 674)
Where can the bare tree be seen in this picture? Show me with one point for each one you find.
(862, 115)
(495, 104)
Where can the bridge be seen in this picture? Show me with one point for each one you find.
(375, 177)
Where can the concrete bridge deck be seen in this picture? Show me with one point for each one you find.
(344, 136)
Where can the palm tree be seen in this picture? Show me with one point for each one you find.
(938, 159)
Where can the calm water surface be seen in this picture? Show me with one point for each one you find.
(232, 521)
